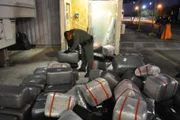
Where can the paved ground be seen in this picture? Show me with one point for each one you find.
(142, 41)
(24, 63)
(164, 54)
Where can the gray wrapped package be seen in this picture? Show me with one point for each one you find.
(150, 107)
(69, 115)
(14, 96)
(108, 50)
(127, 88)
(76, 74)
(147, 70)
(123, 63)
(130, 75)
(110, 68)
(95, 65)
(7, 117)
(96, 91)
(111, 78)
(57, 103)
(58, 88)
(128, 108)
(37, 112)
(34, 81)
(59, 65)
(40, 70)
(79, 97)
(72, 57)
(58, 76)
(42, 76)
(160, 87)
(104, 65)
(95, 74)
(21, 113)
(34, 92)
(42, 96)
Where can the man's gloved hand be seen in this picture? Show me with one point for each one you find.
(67, 51)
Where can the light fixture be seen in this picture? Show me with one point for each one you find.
(136, 8)
(144, 7)
(159, 6)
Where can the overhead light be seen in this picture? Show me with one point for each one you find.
(144, 7)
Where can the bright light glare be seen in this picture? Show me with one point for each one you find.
(150, 3)
(136, 8)
(159, 6)
(144, 7)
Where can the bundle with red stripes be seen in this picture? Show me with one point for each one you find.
(160, 87)
(128, 108)
(95, 65)
(59, 65)
(79, 97)
(127, 88)
(147, 70)
(96, 91)
(58, 103)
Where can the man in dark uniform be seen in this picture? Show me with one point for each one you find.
(86, 41)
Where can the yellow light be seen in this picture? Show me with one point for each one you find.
(159, 6)
(136, 8)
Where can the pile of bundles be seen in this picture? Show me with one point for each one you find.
(27, 101)
(104, 53)
(126, 89)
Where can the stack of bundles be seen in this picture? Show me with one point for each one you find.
(108, 51)
(60, 79)
(40, 70)
(64, 65)
(15, 101)
(72, 58)
(102, 65)
(37, 112)
(100, 103)
(37, 80)
(109, 76)
(160, 88)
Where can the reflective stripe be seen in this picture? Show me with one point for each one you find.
(52, 103)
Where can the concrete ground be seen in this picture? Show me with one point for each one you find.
(164, 54)
(24, 63)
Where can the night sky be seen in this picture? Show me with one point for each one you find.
(128, 7)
